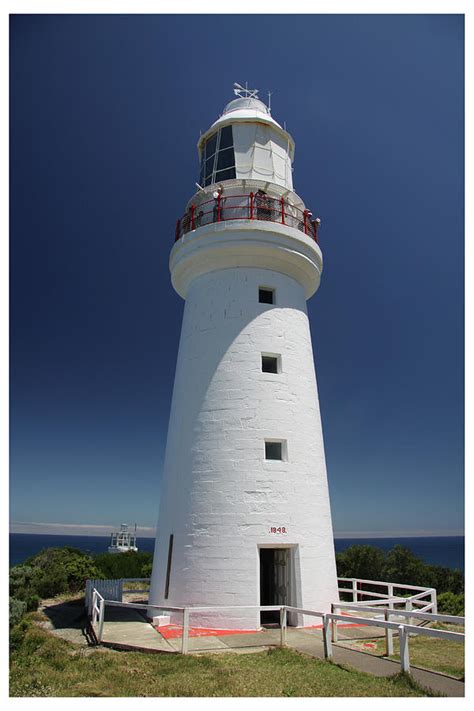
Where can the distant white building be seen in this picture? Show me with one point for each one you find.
(244, 515)
(123, 541)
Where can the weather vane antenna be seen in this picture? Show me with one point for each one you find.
(270, 101)
(244, 92)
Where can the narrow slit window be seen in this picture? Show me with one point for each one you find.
(168, 567)
(270, 364)
(266, 296)
(274, 450)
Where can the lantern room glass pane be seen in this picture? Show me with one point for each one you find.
(225, 159)
(218, 158)
(209, 167)
(227, 174)
(211, 144)
(226, 138)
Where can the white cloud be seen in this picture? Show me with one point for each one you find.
(73, 529)
(397, 534)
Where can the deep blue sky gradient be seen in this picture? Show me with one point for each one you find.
(105, 116)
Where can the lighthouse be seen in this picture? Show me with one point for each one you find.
(244, 516)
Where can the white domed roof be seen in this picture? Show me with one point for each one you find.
(246, 103)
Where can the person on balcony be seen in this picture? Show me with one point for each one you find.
(218, 204)
(186, 222)
(263, 205)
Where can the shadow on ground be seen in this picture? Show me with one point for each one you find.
(67, 619)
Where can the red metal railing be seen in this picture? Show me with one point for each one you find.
(253, 206)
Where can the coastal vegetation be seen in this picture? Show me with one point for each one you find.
(43, 664)
(55, 571)
(400, 565)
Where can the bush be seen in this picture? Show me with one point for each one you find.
(402, 566)
(32, 602)
(399, 565)
(68, 567)
(21, 580)
(366, 562)
(124, 565)
(17, 610)
(146, 570)
(451, 604)
(51, 572)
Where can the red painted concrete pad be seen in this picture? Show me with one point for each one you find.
(176, 631)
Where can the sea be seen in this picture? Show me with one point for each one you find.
(447, 551)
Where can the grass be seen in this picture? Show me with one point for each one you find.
(441, 655)
(45, 665)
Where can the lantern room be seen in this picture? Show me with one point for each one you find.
(246, 143)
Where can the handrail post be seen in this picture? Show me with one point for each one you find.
(184, 645)
(283, 612)
(305, 221)
(390, 595)
(409, 608)
(101, 619)
(434, 602)
(282, 210)
(327, 636)
(404, 652)
(388, 635)
(193, 219)
(334, 609)
(354, 590)
(251, 205)
(218, 207)
(92, 611)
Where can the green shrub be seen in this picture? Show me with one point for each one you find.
(51, 572)
(17, 610)
(366, 562)
(124, 565)
(399, 565)
(402, 566)
(32, 602)
(146, 570)
(21, 581)
(451, 604)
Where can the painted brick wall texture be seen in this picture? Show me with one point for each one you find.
(220, 497)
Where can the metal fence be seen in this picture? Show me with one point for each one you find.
(110, 589)
(359, 590)
(252, 206)
(329, 622)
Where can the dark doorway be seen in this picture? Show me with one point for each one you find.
(274, 581)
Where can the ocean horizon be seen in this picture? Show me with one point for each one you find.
(446, 551)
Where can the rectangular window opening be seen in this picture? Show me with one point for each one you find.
(271, 363)
(266, 295)
(275, 450)
(168, 567)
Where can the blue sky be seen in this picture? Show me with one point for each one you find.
(105, 116)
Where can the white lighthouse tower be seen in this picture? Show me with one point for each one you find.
(244, 514)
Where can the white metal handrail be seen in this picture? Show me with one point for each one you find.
(388, 597)
(403, 631)
(384, 583)
(98, 612)
(451, 619)
(330, 622)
